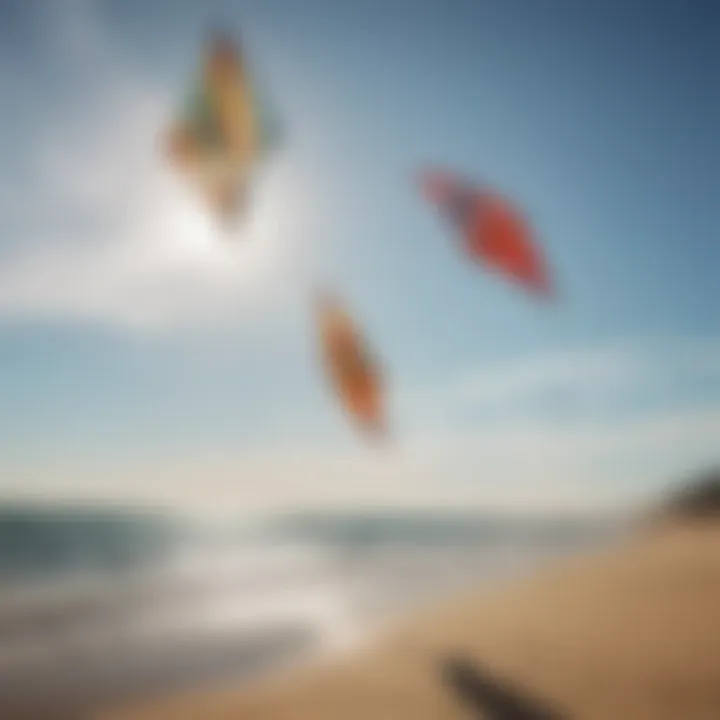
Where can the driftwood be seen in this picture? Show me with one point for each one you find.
(490, 697)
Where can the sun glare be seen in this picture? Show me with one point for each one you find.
(191, 239)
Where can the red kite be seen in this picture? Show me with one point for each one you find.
(493, 230)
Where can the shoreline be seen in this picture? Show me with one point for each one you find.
(75, 653)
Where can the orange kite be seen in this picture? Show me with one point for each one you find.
(353, 374)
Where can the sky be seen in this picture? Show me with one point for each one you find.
(145, 359)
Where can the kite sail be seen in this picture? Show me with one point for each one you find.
(492, 229)
(223, 132)
(352, 372)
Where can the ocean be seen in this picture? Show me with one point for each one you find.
(101, 606)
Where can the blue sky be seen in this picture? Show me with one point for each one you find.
(143, 359)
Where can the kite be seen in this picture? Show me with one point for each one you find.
(492, 229)
(353, 373)
(224, 131)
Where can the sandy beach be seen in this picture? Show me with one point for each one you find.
(630, 632)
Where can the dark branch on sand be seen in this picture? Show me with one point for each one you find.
(491, 698)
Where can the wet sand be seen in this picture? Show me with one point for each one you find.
(88, 680)
(628, 633)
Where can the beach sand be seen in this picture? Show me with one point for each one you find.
(630, 632)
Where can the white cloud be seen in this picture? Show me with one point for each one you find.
(524, 467)
(121, 238)
(577, 382)
(523, 462)
(581, 369)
